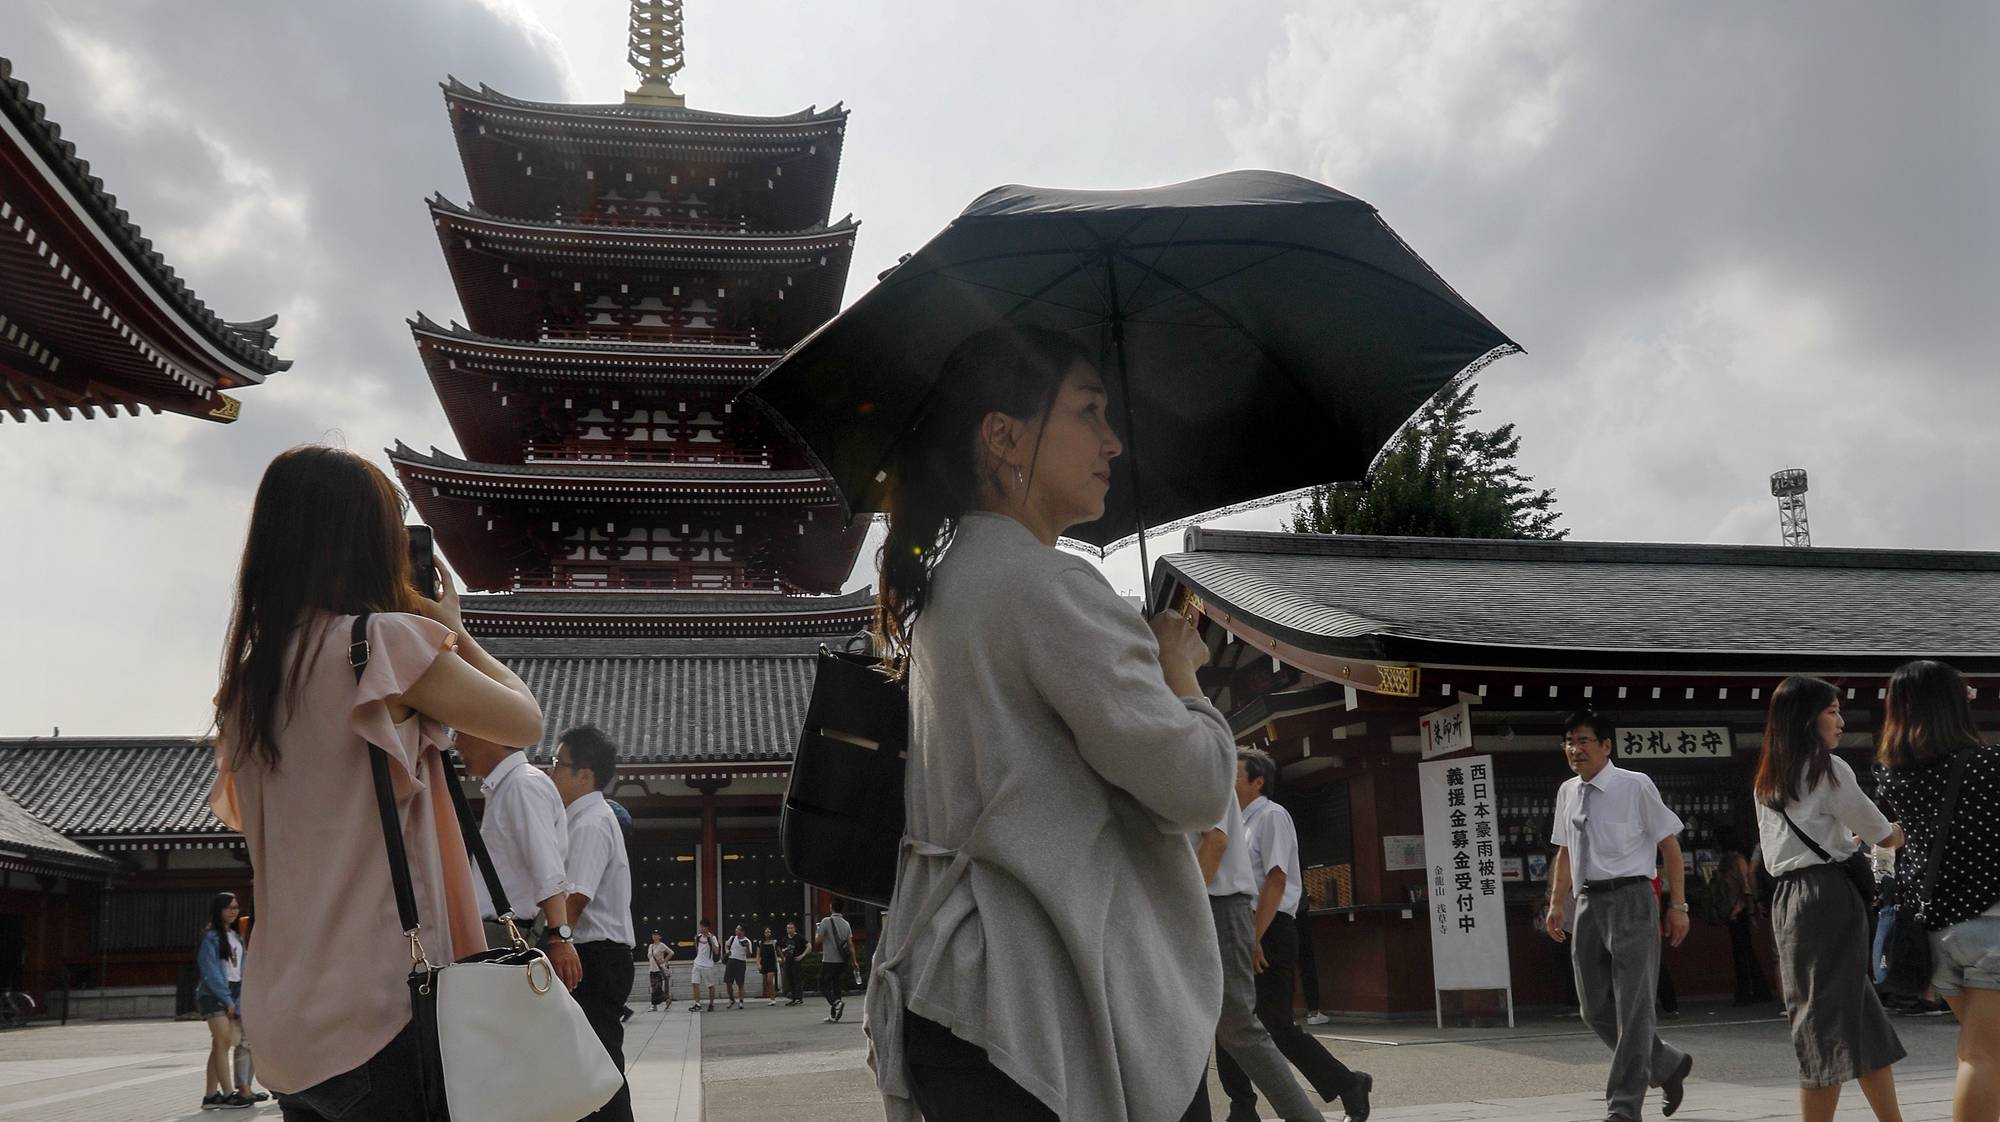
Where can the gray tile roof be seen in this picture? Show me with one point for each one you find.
(29, 841)
(667, 604)
(605, 469)
(249, 341)
(674, 114)
(1583, 605)
(103, 788)
(676, 709)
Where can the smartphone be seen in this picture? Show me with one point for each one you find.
(423, 562)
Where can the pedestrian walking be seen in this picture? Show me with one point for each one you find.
(1810, 806)
(739, 950)
(1927, 737)
(526, 831)
(1273, 845)
(600, 903)
(707, 966)
(218, 992)
(1309, 968)
(835, 940)
(327, 997)
(1233, 886)
(791, 953)
(1057, 746)
(767, 964)
(658, 955)
(1740, 886)
(1612, 831)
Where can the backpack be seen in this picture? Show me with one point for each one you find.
(1714, 902)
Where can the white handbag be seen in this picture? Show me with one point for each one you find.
(500, 1037)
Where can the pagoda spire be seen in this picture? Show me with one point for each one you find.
(656, 51)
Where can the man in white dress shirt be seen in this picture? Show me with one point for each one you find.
(526, 832)
(1609, 825)
(1273, 843)
(600, 902)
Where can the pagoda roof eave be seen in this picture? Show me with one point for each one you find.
(582, 350)
(640, 114)
(825, 236)
(241, 348)
(583, 480)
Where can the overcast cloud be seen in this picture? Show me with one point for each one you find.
(1732, 238)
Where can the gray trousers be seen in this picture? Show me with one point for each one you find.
(1615, 947)
(1239, 1032)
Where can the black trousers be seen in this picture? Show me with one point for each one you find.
(954, 1081)
(1328, 1076)
(1750, 983)
(795, 982)
(607, 983)
(1308, 968)
(832, 981)
(659, 981)
(388, 1088)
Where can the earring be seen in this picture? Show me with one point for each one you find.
(1018, 477)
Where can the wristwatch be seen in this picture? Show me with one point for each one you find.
(564, 933)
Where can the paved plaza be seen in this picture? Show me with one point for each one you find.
(765, 1063)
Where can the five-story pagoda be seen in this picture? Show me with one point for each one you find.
(649, 556)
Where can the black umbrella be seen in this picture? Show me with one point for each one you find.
(1259, 333)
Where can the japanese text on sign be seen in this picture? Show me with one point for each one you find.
(1674, 743)
(1447, 730)
(1461, 848)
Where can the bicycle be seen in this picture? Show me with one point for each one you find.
(15, 1009)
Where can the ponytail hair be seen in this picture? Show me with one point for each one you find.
(934, 476)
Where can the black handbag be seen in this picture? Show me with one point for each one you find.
(1859, 868)
(1908, 948)
(842, 824)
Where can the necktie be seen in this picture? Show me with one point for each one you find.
(1582, 828)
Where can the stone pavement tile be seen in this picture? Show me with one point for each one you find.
(663, 1066)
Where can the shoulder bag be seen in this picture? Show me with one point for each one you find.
(842, 824)
(1859, 868)
(479, 1018)
(1908, 949)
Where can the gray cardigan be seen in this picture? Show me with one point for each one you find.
(1048, 908)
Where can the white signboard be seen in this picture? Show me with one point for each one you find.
(1467, 916)
(1447, 730)
(1704, 743)
(1402, 852)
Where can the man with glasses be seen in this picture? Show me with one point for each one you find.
(1609, 825)
(600, 903)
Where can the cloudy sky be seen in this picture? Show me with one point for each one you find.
(1733, 238)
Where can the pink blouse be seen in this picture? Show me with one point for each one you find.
(327, 987)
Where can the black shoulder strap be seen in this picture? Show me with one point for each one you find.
(1806, 838)
(392, 825)
(1934, 860)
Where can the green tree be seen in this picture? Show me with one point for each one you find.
(1440, 477)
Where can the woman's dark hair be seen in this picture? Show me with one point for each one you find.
(220, 901)
(1927, 717)
(326, 535)
(1794, 761)
(935, 473)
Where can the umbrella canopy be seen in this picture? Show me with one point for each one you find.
(1259, 333)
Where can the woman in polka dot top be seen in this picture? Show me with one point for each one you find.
(1926, 723)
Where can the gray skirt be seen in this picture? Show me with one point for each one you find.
(1838, 1027)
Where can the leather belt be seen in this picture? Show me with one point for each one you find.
(1613, 883)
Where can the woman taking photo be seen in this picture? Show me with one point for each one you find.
(1060, 754)
(326, 998)
(1809, 809)
(1926, 726)
(219, 956)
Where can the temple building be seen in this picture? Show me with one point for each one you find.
(92, 320)
(1344, 656)
(651, 556)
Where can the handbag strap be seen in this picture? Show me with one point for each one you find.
(1934, 860)
(1806, 838)
(392, 824)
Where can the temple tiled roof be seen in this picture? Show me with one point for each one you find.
(613, 472)
(103, 789)
(249, 341)
(677, 603)
(1600, 606)
(676, 709)
(28, 843)
(587, 349)
(642, 112)
(736, 241)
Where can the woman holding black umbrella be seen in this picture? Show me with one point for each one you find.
(1060, 752)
